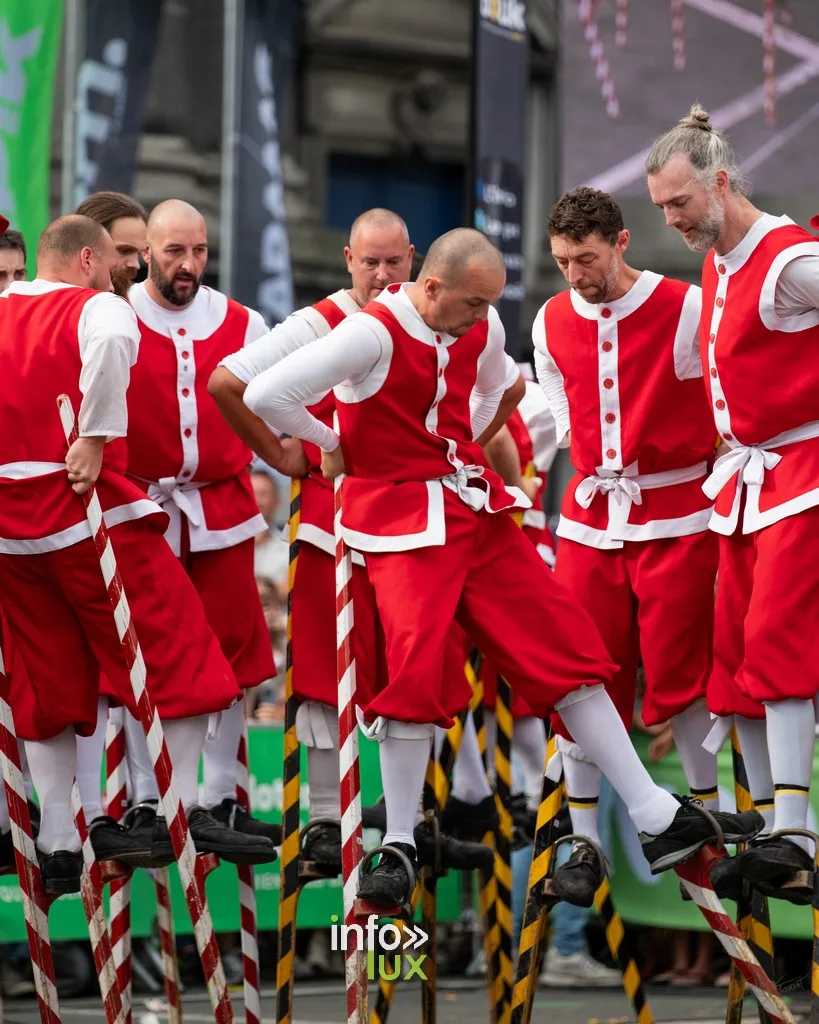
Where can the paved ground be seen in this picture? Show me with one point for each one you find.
(458, 1002)
(723, 71)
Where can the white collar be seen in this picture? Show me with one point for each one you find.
(399, 304)
(737, 258)
(199, 320)
(640, 291)
(345, 302)
(37, 287)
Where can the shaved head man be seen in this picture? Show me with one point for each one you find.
(177, 253)
(379, 253)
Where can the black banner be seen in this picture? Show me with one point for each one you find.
(112, 90)
(262, 276)
(499, 91)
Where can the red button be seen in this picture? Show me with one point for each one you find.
(440, 373)
(186, 355)
(713, 371)
(720, 303)
(187, 472)
(185, 392)
(182, 331)
(606, 346)
(711, 338)
(728, 437)
(610, 453)
(451, 458)
(605, 313)
(608, 383)
(188, 431)
(438, 338)
(719, 403)
(721, 268)
(610, 417)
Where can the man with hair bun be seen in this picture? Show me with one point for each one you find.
(419, 374)
(759, 332)
(125, 220)
(617, 355)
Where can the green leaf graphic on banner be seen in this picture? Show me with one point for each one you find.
(29, 50)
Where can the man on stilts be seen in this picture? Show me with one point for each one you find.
(760, 316)
(65, 332)
(617, 356)
(418, 376)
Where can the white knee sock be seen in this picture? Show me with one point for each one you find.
(219, 756)
(690, 729)
(317, 730)
(185, 738)
(753, 742)
(89, 764)
(583, 780)
(469, 782)
(140, 769)
(791, 728)
(598, 730)
(53, 764)
(28, 785)
(490, 725)
(403, 767)
(529, 742)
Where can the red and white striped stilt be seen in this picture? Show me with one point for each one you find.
(621, 23)
(167, 945)
(352, 841)
(91, 891)
(116, 799)
(247, 903)
(35, 900)
(191, 874)
(695, 876)
(678, 34)
(602, 71)
(769, 60)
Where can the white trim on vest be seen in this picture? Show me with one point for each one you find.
(433, 536)
(351, 393)
(80, 531)
(767, 297)
(309, 533)
(642, 290)
(202, 318)
(687, 361)
(399, 304)
(719, 403)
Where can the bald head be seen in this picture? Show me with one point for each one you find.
(76, 250)
(458, 253)
(379, 253)
(177, 253)
(462, 275)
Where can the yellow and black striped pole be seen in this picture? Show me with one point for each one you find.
(752, 908)
(535, 914)
(814, 967)
(289, 858)
(618, 945)
(503, 845)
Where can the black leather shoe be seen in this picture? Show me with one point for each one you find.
(769, 862)
(111, 841)
(322, 845)
(454, 853)
(7, 862)
(212, 836)
(60, 871)
(388, 885)
(232, 814)
(151, 829)
(469, 822)
(579, 878)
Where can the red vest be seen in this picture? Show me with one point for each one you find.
(178, 438)
(533, 522)
(40, 360)
(408, 426)
(762, 380)
(637, 412)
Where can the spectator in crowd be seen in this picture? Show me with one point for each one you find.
(271, 556)
(12, 259)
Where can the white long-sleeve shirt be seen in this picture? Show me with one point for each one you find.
(352, 354)
(109, 343)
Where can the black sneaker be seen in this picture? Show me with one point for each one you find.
(579, 878)
(388, 885)
(772, 861)
(146, 826)
(690, 831)
(111, 841)
(212, 836)
(322, 845)
(60, 871)
(232, 814)
(741, 827)
(454, 853)
(469, 822)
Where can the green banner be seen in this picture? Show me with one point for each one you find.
(29, 50)
(318, 901)
(643, 898)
